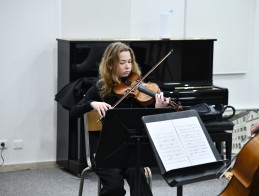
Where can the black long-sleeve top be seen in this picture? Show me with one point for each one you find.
(92, 94)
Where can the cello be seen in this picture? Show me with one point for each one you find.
(245, 172)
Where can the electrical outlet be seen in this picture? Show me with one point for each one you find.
(17, 144)
(3, 142)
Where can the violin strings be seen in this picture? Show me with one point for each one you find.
(142, 79)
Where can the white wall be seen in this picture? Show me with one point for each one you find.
(28, 55)
(234, 24)
(112, 19)
(145, 18)
(230, 23)
(28, 79)
(96, 19)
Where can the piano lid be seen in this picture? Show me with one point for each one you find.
(191, 61)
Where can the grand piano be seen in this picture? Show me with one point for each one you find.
(186, 75)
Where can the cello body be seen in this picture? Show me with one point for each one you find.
(245, 179)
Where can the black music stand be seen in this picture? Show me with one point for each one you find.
(123, 142)
(187, 174)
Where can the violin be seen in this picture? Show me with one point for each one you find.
(144, 93)
(132, 86)
(244, 176)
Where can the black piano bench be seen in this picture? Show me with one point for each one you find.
(221, 131)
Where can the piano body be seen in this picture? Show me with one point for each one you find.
(186, 75)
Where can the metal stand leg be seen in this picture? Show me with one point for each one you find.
(138, 166)
(179, 190)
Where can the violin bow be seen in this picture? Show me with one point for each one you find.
(141, 80)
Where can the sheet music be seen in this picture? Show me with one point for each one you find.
(180, 143)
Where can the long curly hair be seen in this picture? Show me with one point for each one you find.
(109, 77)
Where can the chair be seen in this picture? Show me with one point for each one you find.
(90, 124)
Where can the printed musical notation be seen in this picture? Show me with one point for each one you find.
(180, 142)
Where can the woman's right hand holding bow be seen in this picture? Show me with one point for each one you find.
(100, 107)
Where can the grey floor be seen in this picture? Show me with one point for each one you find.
(59, 182)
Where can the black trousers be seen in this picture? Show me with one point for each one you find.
(112, 181)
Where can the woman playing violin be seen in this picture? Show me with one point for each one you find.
(117, 64)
